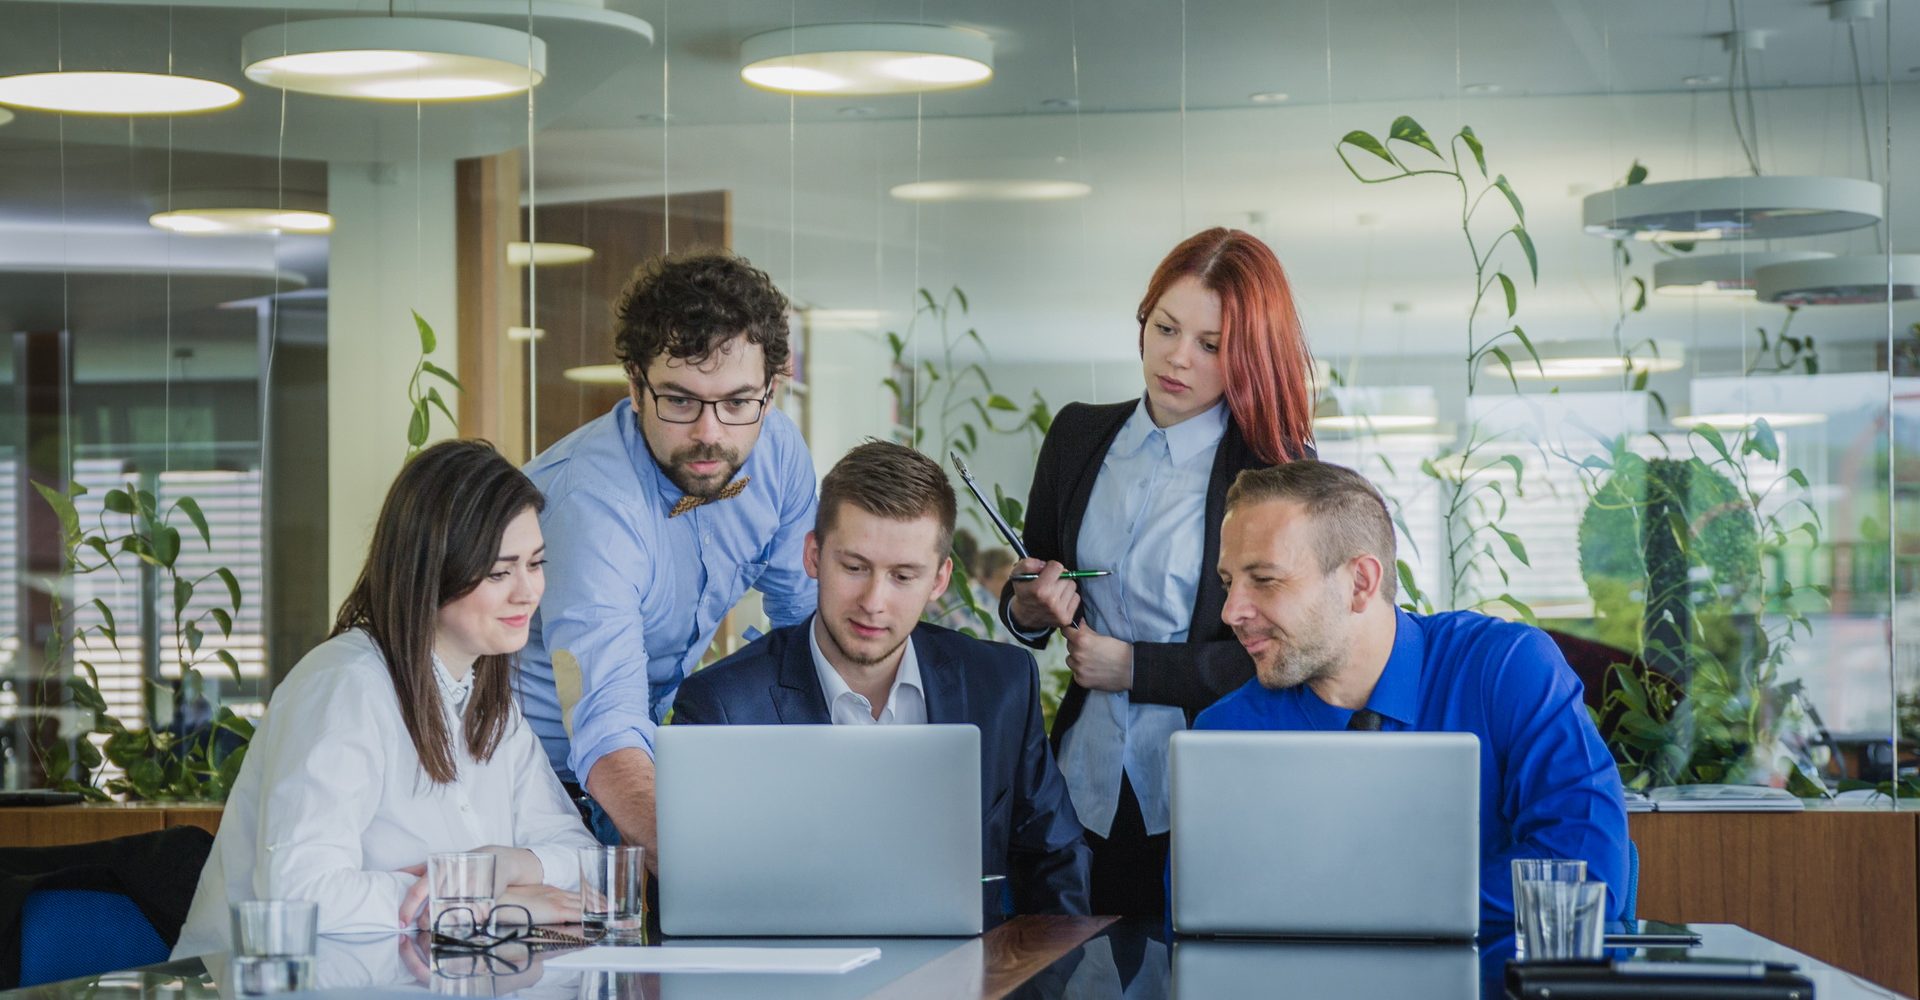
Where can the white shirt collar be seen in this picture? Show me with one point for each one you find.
(835, 688)
(1183, 440)
(453, 693)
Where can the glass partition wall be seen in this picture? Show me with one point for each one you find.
(1616, 305)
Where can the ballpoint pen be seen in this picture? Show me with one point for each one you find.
(1072, 574)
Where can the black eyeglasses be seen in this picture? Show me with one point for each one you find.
(462, 930)
(687, 409)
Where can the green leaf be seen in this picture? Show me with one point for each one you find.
(1473, 143)
(999, 402)
(1712, 436)
(433, 396)
(1636, 173)
(233, 665)
(1513, 296)
(194, 637)
(927, 297)
(1519, 211)
(1405, 129)
(230, 768)
(417, 425)
(147, 504)
(166, 545)
(192, 507)
(1519, 605)
(1514, 545)
(224, 620)
(62, 508)
(442, 374)
(961, 297)
(233, 585)
(86, 754)
(147, 777)
(118, 502)
(238, 725)
(1367, 142)
(895, 344)
(126, 746)
(1799, 477)
(87, 695)
(1640, 297)
(182, 593)
(1682, 246)
(427, 340)
(1763, 441)
(1526, 245)
(1505, 362)
(1514, 462)
(1800, 785)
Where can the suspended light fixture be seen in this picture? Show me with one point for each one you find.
(115, 93)
(990, 190)
(395, 59)
(227, 213)
(863, 59)
(1591, 359)
(521, 254)
(1729, 274)
(1841, 281)
(596, 375)
(1735, 420)
(522, 334)
(1376, 409)
(1731, 208)
(5, 116)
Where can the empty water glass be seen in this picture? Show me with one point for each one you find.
(1564, 920)
(459, 892)
(273, 942)
(612, 897)
(1538, 870)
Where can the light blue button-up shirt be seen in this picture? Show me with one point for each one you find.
(633, 597)
(1146, 522)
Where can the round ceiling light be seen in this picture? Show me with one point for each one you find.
(1730, 273)
(1376, 422)
(1841, 281)
(395, 59)
(81, 93)
(521, 254)
(1584, 359)
(1734, 421)
(228, 213)
(596, 375)
(992, 190)
(1732, 208)
(522, 334)
(850, 59)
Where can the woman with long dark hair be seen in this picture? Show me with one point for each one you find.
(399, 736)
(1139, 488)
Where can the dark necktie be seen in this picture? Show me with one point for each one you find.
(730, 491)
(1366, 719)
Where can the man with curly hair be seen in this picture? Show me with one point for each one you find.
(660, 515)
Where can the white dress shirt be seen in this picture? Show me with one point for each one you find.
(332, 801)
(906, 700)
(1146, 521)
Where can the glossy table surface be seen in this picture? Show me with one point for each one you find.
(1040, 957)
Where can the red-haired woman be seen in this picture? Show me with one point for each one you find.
(1138, 488)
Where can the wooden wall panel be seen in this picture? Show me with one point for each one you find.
(1840, 886)
(493, 369)
(53, 826)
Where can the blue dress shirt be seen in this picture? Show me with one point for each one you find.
(1146, 522)
(1548, 786)
(633, 597)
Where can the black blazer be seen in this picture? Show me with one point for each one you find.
(1211, 663)
(1028, 829)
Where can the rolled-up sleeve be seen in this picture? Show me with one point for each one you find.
(598, 562)
(790, 594)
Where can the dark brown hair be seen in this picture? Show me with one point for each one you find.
(438, 536)
(891, 481)
(1350, 517)
(1263, 353)
(689, 305)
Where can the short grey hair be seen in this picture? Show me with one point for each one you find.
(1348, 512)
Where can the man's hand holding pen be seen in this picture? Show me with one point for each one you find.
(1045, 602)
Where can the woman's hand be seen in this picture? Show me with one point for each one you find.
(1048, 602)
(1099, 662)
(513, 866)
(413, 905)
(547, 904)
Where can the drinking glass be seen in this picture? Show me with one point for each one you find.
(1565, 920)
(273, 942)
(459, 892)
(612, 901)
(1538, 870)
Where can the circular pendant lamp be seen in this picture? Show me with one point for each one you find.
(865, 59)
(990, 190)
(228, 213)
(114, 93)
(596, 375)
(1730, 208)
(395, 59)
(522, 254)
(1841, 281)
(1729, 274)
(1588, 359)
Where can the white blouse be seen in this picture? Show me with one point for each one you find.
(332, 800)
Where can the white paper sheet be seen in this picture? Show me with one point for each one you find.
(683, 959)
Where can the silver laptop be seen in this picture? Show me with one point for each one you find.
(1365, 835)
(778, 831)
(1327, 970)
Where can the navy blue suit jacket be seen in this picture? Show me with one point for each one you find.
(1028, 829)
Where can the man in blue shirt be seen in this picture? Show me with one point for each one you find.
(660, 515)
(1307, 556)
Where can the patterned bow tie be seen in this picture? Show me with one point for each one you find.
(688, 503)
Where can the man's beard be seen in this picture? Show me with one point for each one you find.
(697, 486)
(1310, 654)
(846, 646)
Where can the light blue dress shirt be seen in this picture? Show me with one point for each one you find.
(635, 597)
(1146, 522)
